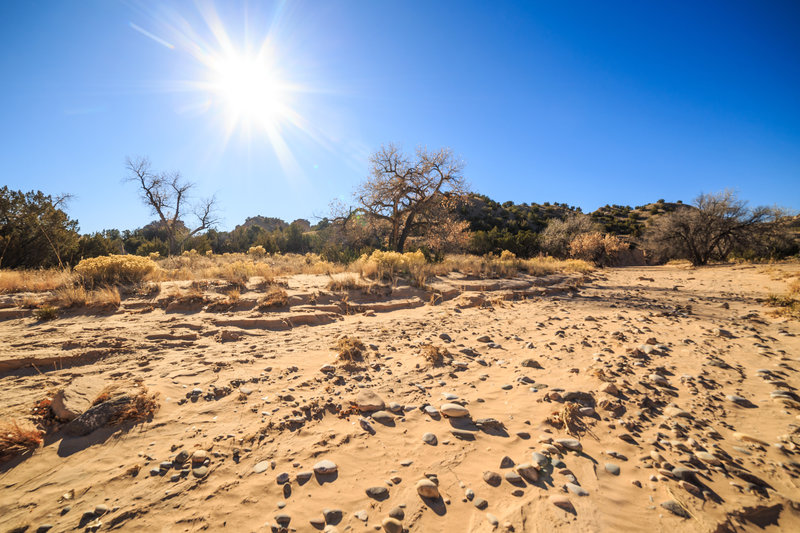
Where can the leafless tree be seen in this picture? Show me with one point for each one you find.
(167, 195)
(714, 227)
(407, 195)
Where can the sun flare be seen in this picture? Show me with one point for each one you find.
(250, 90)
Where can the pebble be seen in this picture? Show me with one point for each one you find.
(429, 438)
(612, 469)
(675, 508)
(492, 478)
(570, 444)
(398, 513)
(561, 502)
(577, 490)
(368, 400)
(332, 516)
(492, 519)
(427, 488)
(453, 410)
(378, 493)
(325, 467)
(392, 525)
(480, 503)
(200, 471)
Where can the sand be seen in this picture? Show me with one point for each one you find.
(694, 356)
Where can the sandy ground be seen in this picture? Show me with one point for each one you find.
(704, 414)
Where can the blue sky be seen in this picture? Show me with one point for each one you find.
(586, 103)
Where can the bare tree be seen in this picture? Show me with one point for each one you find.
(167, 195)
(714, 227)
(407, 195)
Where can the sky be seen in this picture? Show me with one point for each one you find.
(275, 107)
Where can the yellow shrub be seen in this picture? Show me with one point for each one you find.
(257, 251)
(114, 269)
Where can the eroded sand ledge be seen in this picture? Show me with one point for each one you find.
(681, 346)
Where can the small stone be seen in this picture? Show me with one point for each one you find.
(453, 410)
(561, 502)
(612, 469)
(378, 493)
(325, 467)
(199, 456)
(528, 471)
(480, 503)
(492, 519)
(332, 516)
(282, 478)
(368, 400)
(492, 478)
(576, 489)
(398, 513)
(361, 515)
(283, 519)
(200, 471)
(429, 438)
(506, 462)
(570, 444)
(675, 508)
(392, 525)
(427, 488)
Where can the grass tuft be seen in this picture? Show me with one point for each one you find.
(17, 439)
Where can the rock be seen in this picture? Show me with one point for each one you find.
(383, 417)
(531, 363)
(492, 519)
(283, 519)
(660, 380)
(398, 513)
(708, 458)
(327, 369)
(489, 423)
(576, 489)
(480, 503)
(570, 444)
(181, 457)
(325, 467)
(513, 478)
(673, 411)
(492, 478)
(332, 516)
(506, 462)
(199, 457)
(686, 474)
(540, 459)
(98, 416)
(429, 438)
(484, 338)
(427, 488)
(260, 467)
(283, 478)
(612, 469)
(378, 493)
(528, 471)
(737, 399)
(463, 434)
(610, 388)
(561, 502)
(77, 397)
(200, 471)
(453, 410)
(368, 400)
(675, 508)
(361, 515)
(392, 525)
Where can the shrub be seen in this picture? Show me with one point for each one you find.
(34, 280)
(17, 440)
(115, 269)
(275, 297)
(257, 251)
(350, 349)
(433, 354)
(45, 313)
(389, 265)
(596, 248)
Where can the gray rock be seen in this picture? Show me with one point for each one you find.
(429, 438)
(492, 478)
(378, 493)
(98, 416)
(613, 469)
(675, 508)
(576, 489)
(332, 516)
(325, 467)
(260, 467)
(480, 503)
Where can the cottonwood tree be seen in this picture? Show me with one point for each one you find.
(407, 195)
(713, 227)
(168, 196)
(35, 230)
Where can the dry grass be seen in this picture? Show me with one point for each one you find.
(788, 304)
(507, 266)
(275, 297)
(45, 313)
(115, 269)
(17, 439)
(350, 350)
(143, 407)
(434, 354)
(78, 296)
(34, 280)
(568, 419)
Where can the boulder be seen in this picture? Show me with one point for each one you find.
(368, 400)
(77, 397)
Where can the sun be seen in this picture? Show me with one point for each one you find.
(251, 90)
